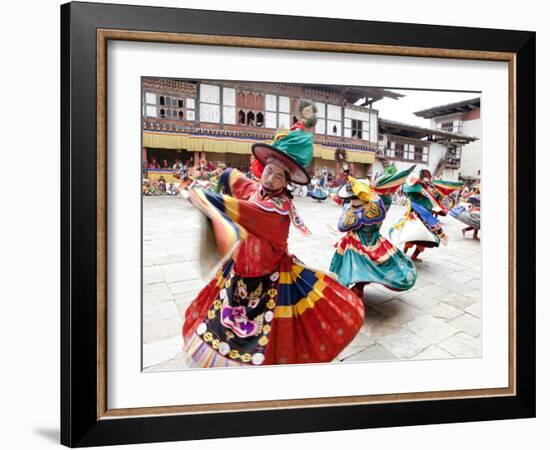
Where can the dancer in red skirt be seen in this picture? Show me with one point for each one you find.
(264, 306)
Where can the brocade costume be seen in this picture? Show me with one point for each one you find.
(469, 211)
(264, 306)
(363, 255)
(420, 226)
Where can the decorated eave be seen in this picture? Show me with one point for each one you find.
(390, 127)
(451, 108)
(352, 94)
(237, 142)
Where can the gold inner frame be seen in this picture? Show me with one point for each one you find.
(103, 36)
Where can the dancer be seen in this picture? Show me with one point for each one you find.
(318, 192)
(420, 226)
(363, 255)
(264, 306)
(469, 212)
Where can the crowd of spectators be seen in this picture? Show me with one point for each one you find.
(185, 173)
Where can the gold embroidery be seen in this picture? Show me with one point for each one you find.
(372, 210)
(241, 289)
(259, 320)
(263, 341)
(246, 357)
(349, 219)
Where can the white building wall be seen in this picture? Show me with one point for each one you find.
(470, 162)
(449, 175)
(436, 152)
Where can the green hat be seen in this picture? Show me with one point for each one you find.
(389, 172)
(294, 149)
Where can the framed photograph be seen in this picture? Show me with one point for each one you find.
(279, 224)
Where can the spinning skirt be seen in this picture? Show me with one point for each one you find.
(369, 257)
(462, 214)
(291, 316)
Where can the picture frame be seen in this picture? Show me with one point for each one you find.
(86, 419)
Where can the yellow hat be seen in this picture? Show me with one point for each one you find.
(362, 189)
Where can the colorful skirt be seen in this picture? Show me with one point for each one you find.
(292, 316)
(319, 194)
(418, 227)
(467, 217)
(370, 258)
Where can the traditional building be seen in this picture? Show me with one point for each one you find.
(220, 120)
(437, 150)
(464, 118)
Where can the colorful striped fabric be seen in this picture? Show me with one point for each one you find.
(366, 256)
(446, 188)
(388, 183)
(363, 255)
(281, 312)
(221, 233)
(423, 199)
(308, 318)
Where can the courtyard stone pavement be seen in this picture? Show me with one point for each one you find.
(439, 318)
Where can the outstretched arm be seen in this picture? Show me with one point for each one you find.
(269, 225)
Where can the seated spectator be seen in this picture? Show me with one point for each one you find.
(171, 189)
(178, 166)
(145, 187)
(153, 164)
(162, 184)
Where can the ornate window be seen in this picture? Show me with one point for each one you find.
(259, 120)
(399, 151)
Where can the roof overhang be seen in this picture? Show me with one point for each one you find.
(404, 130)
(450, 108)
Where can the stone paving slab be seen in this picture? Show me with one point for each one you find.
(190, 286)
(179, 362)
(467, 323)
(397, 311)
(375, 352)
(361, 342)
(474, 310)
(459, 301)
(444, 311)
(156, 329)
(377, 325)
(433, 352)
(156, 292)
(161, 350)
(417, 299)
(462, 345)
(432, 329)
(152, 275)
(404, 344)
(438, 318)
